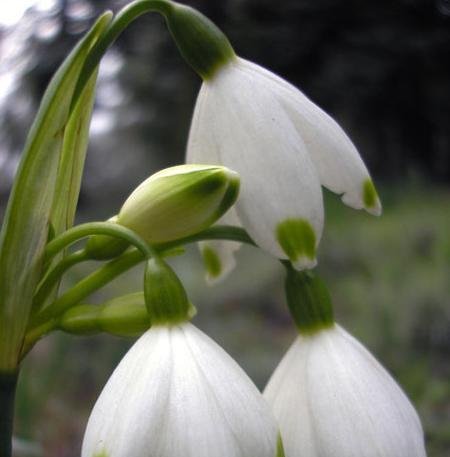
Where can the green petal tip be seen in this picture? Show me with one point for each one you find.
(370, 198)
(298, 241)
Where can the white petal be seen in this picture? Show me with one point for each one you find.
(338, 163)
(178, 394)
(201, 149)
(222, 252)
(331, 392)
(256, 138)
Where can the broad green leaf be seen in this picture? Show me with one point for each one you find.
(26, 224)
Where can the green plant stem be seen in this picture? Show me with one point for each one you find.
(8, 383)
(88, 285)
(42, 322)
(78, 232)
(218, 232)
(123, 19)
(54, 276)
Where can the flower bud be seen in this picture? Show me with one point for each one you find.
(179, 201)
(121, 316)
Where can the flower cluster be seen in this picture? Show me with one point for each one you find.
(177, 393)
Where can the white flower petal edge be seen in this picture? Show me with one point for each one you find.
(336, 159)
(239, 122)
(218, 255)
(176, 393)
(332, 398)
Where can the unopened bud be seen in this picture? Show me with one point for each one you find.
(179, 201)
(121, 316)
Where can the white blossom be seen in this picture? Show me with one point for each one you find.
(176, 393)
(333, 399)
(284, 147)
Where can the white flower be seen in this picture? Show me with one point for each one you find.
(176, 393)
(333, 399)
(284, 147)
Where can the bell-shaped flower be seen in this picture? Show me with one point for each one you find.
(176, 393)
(332, 398)
(284, 148)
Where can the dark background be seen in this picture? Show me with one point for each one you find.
(382, 69)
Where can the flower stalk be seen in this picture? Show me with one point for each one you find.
(8, 384)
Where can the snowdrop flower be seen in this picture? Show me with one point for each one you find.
(333, 399)
(284, 147)
(176, 393)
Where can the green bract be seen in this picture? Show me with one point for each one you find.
(56, 144)
(179, 201)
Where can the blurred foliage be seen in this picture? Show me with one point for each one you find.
(388, 277)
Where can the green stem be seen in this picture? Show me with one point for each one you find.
(116, 267)
(218, 232)
(87, 286)
(123, 19)
(54, 276)
(97, 228)
(8, 383)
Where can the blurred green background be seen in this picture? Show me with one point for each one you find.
(380, 69)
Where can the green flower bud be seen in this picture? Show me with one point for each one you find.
(121, 316)
(165, 297)
(204, 47)
(309, 301)
(103, 247)
(179, 201)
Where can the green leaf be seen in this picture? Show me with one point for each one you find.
(72, 160)
(26, 224)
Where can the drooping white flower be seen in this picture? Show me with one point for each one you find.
(176, 393)
(284, 147)
(332, 398)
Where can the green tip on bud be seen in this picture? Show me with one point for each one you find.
(165, 297)
(298, 241)
(103, 247)
(201, 43)
(370, 198)
(179, 201)
(309, 301)
(212, 262)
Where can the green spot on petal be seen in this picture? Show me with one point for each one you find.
(280, 449)
(102, 454)
(370, 196)
(297, 239)
(212, 262)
